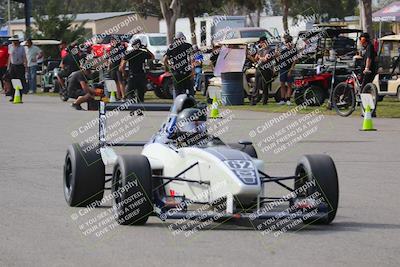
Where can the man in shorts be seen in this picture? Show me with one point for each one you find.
(287, 57)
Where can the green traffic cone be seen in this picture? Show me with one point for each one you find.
(368, 124)
(17, 96)
(214, 114)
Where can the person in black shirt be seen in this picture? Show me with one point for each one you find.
(287, 58)
(69, 64)
(179, 59)
(136, 58)
(264, 71)
(117, 52)
(368, 62)
(369, 59)
(78, 87)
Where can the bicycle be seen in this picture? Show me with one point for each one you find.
(346, 95)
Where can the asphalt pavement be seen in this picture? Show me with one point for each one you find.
(37, 228)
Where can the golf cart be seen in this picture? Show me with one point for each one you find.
(330, 53)
(387, 81)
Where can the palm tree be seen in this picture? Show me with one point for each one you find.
(367, 16)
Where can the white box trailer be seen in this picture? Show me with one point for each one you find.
(207, 28)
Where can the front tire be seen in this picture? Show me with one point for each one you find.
(84, 176)
(343, 99)
(132, 190)
(322, 170)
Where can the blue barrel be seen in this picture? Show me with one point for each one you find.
(232, 88)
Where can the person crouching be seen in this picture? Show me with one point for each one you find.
(78, 87)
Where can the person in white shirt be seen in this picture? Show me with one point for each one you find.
(16, 64)
(33, 54)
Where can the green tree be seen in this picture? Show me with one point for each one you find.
(56, 24)
(171, 11)
(192, 9)
(367, 16)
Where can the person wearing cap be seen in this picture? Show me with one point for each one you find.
(287, 58)
(179, 60)
(33, 54)
(369, 59)
(136, 57)
(264, 71)
(17, 64)
(69, 64)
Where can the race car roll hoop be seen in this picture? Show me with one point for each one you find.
(170, 181)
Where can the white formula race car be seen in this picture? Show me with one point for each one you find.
(183, 167)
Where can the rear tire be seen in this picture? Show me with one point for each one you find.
(343, 99)
(132, 185)
(159, 92)
(57, 87)
(299, 96)
(320, 168)
(168, 87)
(84, 176)
(316, 92)
(277, 95)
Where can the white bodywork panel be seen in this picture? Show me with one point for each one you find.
(212, 167)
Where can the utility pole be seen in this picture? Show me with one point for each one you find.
(9, 17)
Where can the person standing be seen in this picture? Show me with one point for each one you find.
(264, 71)
(179, 60)
(17, 64)
(33, 54)
(369, 59)
(198, 59)
(69, 64)
(63, 49)
(117, 52)
(287, 58)
(136, 58)
(3, 62)
(369, 64)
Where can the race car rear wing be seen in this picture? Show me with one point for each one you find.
(126, 106)
(129, 105)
